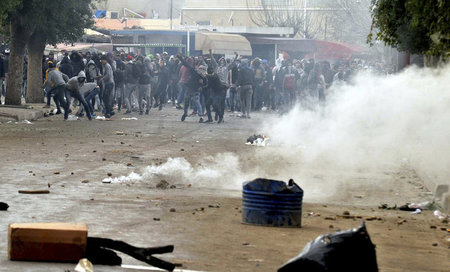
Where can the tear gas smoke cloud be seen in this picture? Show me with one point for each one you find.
(375, 125)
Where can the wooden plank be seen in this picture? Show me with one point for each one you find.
(58, 242)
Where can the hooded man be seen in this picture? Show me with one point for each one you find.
(73, 88)
(215, 96)
(245, 83)
(57, 82)
(144, 86)
(108, 86)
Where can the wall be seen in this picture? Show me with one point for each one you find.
(147, 6)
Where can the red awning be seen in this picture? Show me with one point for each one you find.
(335, 50)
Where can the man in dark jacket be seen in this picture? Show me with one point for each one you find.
(66, 68)
(77, 63)
(144, 87)
(215, 93)
(245, 83)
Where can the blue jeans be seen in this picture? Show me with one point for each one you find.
(193, 99)
(89, 97)
(181, 93)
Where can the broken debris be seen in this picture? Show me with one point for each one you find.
(257, 140)
(84, 265)
(3, 206)
(34, 192)
(349, 250)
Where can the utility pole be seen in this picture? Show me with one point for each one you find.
(305, 17)
(171, 14)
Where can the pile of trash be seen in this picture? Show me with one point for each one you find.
(257, 140)
(349, 251)
(415, 208)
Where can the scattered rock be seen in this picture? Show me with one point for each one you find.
(56, 173)
(156, 219)
(331, 226)
(182, 149)
(122, 143)
(346, 213)
(49, 185)
(433, 227)
(129, 164)
(120, 133)
(85, 181)
(94, 151)
(371, 218)
(172, 210)
(72, 173)
(109, 175)
(400, 222)
(214, 206)
(245, 244)
(30, 172)
(434, 244)
(103, 159)
(330, 218)
(103, 141)
(173, 187)
(163, 184)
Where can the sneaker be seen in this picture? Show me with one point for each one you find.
(183, 117)
(46, 106)
(107, 116)
(160, 107)
(201, 120)
(179, 107)
(216, 117)
(93, 115)
(248, 117)
(243, 117)
(220, 120)
(80, 114)
(208, 121)
(193, 113)
(147, 112)
(127, 112)
(141, 112)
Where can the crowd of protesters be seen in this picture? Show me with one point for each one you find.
(205, 84)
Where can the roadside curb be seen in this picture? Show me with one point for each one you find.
(30, 112)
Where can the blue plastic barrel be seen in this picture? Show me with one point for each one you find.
(272, 203)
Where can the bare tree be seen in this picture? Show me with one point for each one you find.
(284, 13)
(351, 19)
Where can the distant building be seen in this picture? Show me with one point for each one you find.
(149, 9)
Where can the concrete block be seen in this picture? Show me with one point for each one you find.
(58, 242)
(446, 203)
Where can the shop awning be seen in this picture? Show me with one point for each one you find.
(224, 44)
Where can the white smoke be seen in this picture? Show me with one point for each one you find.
(375, 123)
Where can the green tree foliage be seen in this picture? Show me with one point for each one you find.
(415, 26)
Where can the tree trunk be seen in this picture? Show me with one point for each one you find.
(431, 61)
(19, 38)
(36, 46)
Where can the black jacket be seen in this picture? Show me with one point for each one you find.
(246, 76)
(194, 83)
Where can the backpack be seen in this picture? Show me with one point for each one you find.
(289, 82)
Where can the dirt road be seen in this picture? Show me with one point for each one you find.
(209, 163)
